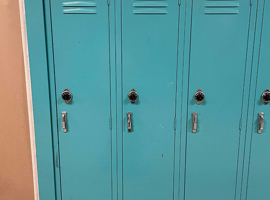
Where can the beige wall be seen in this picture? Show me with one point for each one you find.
(16, 182)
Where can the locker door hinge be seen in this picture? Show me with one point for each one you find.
(110, 123)
(240, 125)
(174, 124)
(57, 160)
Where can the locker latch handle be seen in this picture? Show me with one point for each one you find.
(260, 123)
(129, 119)
(194, 122)
(64, 121)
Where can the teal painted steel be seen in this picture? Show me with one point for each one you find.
(82, 64)
(243, 143)
(217, 63)
(165, 50)
(149, 63)
(36, 35)
(250, 120)
(258, 178)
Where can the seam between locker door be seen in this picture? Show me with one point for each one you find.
(110, 85)
(119, 98)
(54, 75)
(189, 61)
(175, 109)
(248, 101)
(56, 161)
(258, 65)
(122, 103)
(182, 88)
(243, 91)
(116, 117)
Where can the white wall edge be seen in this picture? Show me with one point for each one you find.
(29, 97)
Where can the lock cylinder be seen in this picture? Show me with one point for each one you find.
(266, 96)
(133, 96)
(199, 96)
(66, 96)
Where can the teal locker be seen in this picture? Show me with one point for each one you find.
(149, 58)
(149, 99)
(258, 176)
(217, 61)
(80, 42)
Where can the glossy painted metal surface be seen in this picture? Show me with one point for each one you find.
(217, 66)
(166, 50)
(149, 58)
(36, 36)
(81, 62)
(259, 171)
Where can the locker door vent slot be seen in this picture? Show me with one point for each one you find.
(150, 7)
(79, 7)
(221, 7)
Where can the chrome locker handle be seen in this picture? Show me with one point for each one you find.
(260, 122)
(64, 121)
(194, 122)
(129, 119)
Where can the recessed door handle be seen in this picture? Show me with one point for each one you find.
(194, 122)
(260, 122)
(129, 120)
(64, 121)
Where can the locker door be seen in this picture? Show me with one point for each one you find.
(81, 59)
(217, 64)
(149, 59)
(259, 170)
